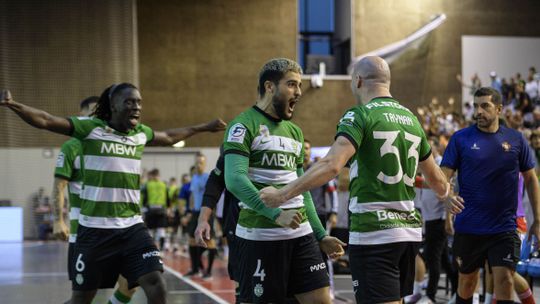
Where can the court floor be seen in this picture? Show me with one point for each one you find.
(35, 272)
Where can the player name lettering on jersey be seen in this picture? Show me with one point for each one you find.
(400, 119)
(378, 104)
(118, 149)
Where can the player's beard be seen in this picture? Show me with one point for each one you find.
(281, 106)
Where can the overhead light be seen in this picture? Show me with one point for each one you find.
(180, 144)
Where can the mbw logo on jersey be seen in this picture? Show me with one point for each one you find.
(116, 148)
(237, 133)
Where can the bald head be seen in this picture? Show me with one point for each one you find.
(370, 76)
(373, 69)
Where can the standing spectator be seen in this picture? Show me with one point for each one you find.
(495, 81)
(531, 88)
(43, 214)
(157, 202)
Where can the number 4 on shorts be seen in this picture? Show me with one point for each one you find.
(259, 272)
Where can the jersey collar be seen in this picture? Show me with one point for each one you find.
(266, 114)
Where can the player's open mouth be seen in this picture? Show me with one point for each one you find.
(292, 104)
(134, 119)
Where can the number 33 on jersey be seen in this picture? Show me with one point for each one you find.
(389, 143)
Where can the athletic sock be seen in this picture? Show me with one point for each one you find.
(211, 255)
(488, 298)
(460, 300)
(118, 298)
(195, 258)
(161, 243)
(417, 289)
(526, 297)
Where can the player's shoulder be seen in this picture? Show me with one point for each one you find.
(71, 145)
(247, 119)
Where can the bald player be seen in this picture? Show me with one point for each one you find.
(384, 144)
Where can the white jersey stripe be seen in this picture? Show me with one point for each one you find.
(276, 143)
(109, 222)
(113, 195)
(75, 187)
(271, 177)
(272, 234)
(386, 236)
(101, 134)
(355, 207)
(74, 213)
(112, 164)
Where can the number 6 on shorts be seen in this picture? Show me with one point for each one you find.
(79, 265)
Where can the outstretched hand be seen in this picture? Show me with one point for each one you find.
(332, 246)
(271, 197)
(5, 98)
(216, 125)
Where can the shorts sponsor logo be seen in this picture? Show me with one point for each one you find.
(150, 254)
(317, 267)
(508, 258)
(79, 278)
(258, 290)
(237, 133)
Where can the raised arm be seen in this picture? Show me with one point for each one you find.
(35, 117)
(171, 136)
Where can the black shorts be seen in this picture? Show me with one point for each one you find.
(383, 273)
(471, 250)
(71, 248)
(234, 257)
(156, 218)
(272, 271)
(100, 255)
(174, 222)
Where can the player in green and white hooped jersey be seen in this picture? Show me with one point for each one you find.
(384, 144)
(111, 238)
(262, 147)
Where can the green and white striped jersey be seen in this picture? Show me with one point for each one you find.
(111, 173)
(389, 143)
(68, 166)
(275, 151)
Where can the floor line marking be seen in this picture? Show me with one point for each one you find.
(195, 285)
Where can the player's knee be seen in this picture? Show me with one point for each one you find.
(153, 281)
(504, 279)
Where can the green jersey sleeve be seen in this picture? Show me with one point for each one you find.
(238, 138)
(148, 132)
(65, 162)
(82, 126)
(350, 126)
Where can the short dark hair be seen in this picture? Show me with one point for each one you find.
(274, 70)
(307, 141)
(85, 103)
(488, 91)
